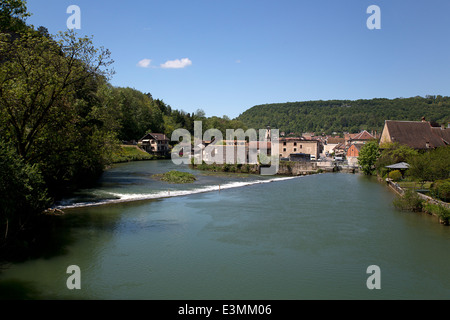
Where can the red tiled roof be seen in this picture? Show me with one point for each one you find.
(364, 135)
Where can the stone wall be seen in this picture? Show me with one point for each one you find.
(297, 168)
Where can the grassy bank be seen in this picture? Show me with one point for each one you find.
(131, 153)
(234, 168)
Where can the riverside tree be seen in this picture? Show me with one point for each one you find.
(368, 156)
(55, 122)
(432, 165)
(47, 98)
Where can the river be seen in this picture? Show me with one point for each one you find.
(234, 236)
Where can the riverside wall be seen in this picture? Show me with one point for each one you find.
(307, 167)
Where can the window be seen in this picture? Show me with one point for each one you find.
(284, 143)
(295, 144)
(301, 146)
(284, 149)
(295, 149)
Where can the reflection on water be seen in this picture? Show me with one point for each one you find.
(309, 237)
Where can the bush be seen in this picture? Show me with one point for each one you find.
(410, 201)
(441, 189)
(395, 175)
(442, 212)
(176, 177)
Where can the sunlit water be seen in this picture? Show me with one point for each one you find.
(253, 237)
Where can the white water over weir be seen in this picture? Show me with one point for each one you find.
(169, 193)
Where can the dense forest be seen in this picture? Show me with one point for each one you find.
(61, 121)
(345, 115)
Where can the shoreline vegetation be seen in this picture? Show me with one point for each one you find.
(177, 177)
(127, 153)
(423, 187)
(286, 168)
(410, 199)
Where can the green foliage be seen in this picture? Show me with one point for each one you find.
(176, 177)
(130, 153)
(345, 115)
(442, 212)
(431, 165)
(392, 153)
(49, 107)
(137, 113)
(234, 168)
(13, 14)
(368, 156)
(23, 194)
(395, 175)
(410, 201)
(441, 190)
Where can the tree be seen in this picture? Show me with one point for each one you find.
(431, 165)
(38, 82)
(393, 153)
(368, 156)
(49, 105)
(13, 14)
(23, 193)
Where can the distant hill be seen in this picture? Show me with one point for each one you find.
(345, 115)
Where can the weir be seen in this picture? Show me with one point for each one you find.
(130, 197)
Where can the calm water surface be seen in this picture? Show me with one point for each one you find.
(309, 237)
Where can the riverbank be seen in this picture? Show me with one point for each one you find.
(286, 168)
(420, 202)
(127, 153)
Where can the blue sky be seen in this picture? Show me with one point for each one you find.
(227, 56)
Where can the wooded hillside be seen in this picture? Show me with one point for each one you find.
(345, 115)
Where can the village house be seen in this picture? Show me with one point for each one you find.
(235, 151)
(290, 146)
(340, 149)
(353, 153)
(225, 151)
(155, 143)
(331, 143)
(419, 135)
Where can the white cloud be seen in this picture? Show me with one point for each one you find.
(144, 63)
(176, 64)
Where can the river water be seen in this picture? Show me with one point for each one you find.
(233, 236)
